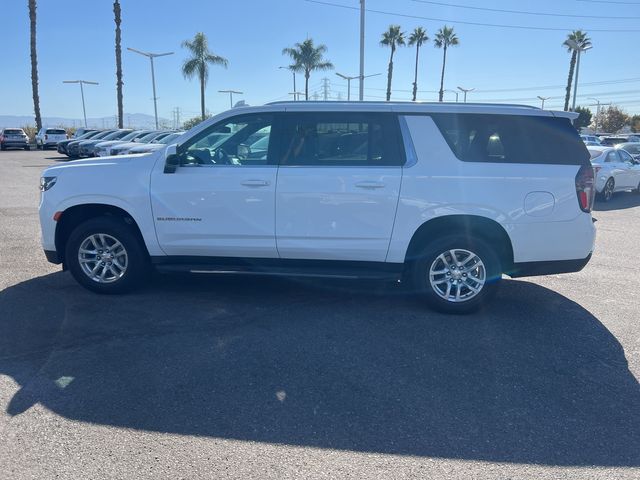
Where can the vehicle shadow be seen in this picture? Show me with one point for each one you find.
(533, 379)
(619, 201)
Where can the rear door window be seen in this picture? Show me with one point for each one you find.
(512, 138)
(340, 139)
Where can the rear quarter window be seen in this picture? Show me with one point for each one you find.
(512, 139)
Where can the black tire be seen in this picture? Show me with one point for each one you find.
(420, 274)
(137, 265)
(2, 147)
(608, 190)
(27, 148)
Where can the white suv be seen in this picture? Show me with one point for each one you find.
(445, 197)
(49, 137)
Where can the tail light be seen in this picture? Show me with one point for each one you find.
(585, 187)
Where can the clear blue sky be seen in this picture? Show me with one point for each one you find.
(75, 40)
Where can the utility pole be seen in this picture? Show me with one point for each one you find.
(82, 82)
(454, 92)
(230, 92)
(543, 100)
(325, 89)
(361, 93)
(178, 118)
(598, 105)
(295, 90)
(315, 96)
(151, 56)
(466, 90)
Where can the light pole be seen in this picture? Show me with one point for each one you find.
(348, 79)
(574, 45)
(81, 82)
(543, 100)
(466, 90)
(295, 96)
(151, 56)
(361, 93)
(454, 92)
(230, 92)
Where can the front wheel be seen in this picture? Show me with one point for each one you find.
(105, 255)
(456, 274)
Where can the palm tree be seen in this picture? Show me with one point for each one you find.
(583, 41)
(198, 63)
(393, 38)
(117, 19)
(445, 38)
(417, 38)
(307, 58)
(34, 64)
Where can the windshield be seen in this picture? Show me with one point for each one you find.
(117, 135)
(134, 135)
(56, 131)
(168, 139)
(594, 154)
(148, 137)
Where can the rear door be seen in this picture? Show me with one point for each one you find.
(628, 172)
(338, 185)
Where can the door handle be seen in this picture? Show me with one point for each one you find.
(370, 185)
(255, 183)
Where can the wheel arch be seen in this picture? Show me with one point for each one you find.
(77, 214)
(471, 226)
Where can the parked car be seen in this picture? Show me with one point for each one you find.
(614, 140)
(87, 147)
(442, 196)
(632, 148)
(49, 137)
(62, 145)
(13, 138)
(73, 148)
(82, 130)
(156, 144)
(124, 147)
(103, 149)
(615, 171)
(590, 139)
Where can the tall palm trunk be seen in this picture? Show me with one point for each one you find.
(202, 82)
(572, 66)
(390, 73)
(444, 63)
(34, 64)
(415, 79)
(118, 20)
(306, 84)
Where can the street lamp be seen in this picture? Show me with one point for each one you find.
(230, 92)
(454, 92)
(361, 76)
(151, 56)
(290, 67)
(81, 82)
(574, 45)
(466, 90)
(348, 79)
(543, 100)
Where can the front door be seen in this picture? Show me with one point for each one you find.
(338, 186)
(220, 199)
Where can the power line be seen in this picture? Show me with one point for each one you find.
(448, 20)
(610, 1)
(524, 12)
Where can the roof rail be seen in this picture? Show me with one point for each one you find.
(372, 102)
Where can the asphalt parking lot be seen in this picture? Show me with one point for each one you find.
(272, 378)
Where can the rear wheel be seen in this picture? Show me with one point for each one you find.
(455, 274)
(105, 255)
(607, 191)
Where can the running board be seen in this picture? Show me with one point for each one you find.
(283, 268)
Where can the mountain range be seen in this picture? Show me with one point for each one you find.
(136, 120)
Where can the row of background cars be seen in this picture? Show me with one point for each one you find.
(616, 163)
(104, 143)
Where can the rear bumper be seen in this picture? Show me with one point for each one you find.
(532, 269)
(15, 143)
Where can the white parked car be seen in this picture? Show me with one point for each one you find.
(615, 171)
(590, 139)
(442, 196)
(49, 137)
(123, 148)
(156, 144)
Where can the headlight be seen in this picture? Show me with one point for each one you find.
(47, 182)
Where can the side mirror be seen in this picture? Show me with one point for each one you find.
(171, 159)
